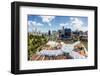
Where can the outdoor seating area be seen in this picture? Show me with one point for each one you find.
(59, 50)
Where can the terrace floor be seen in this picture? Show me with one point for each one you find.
(37, 57)
(40, 57)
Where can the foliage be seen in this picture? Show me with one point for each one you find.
(34, 43)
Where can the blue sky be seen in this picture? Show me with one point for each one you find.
(45, 23)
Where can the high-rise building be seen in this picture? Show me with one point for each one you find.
(65, 33)
(49, 32)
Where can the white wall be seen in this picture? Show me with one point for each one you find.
(5, 41)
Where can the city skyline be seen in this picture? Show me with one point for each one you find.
(54, 23)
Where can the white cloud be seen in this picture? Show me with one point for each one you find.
(64, 24)
(77, 24)
(39, 24)
(49, 24)
(34, 24)
(47, 19)
(71, 18)
(84, 29)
